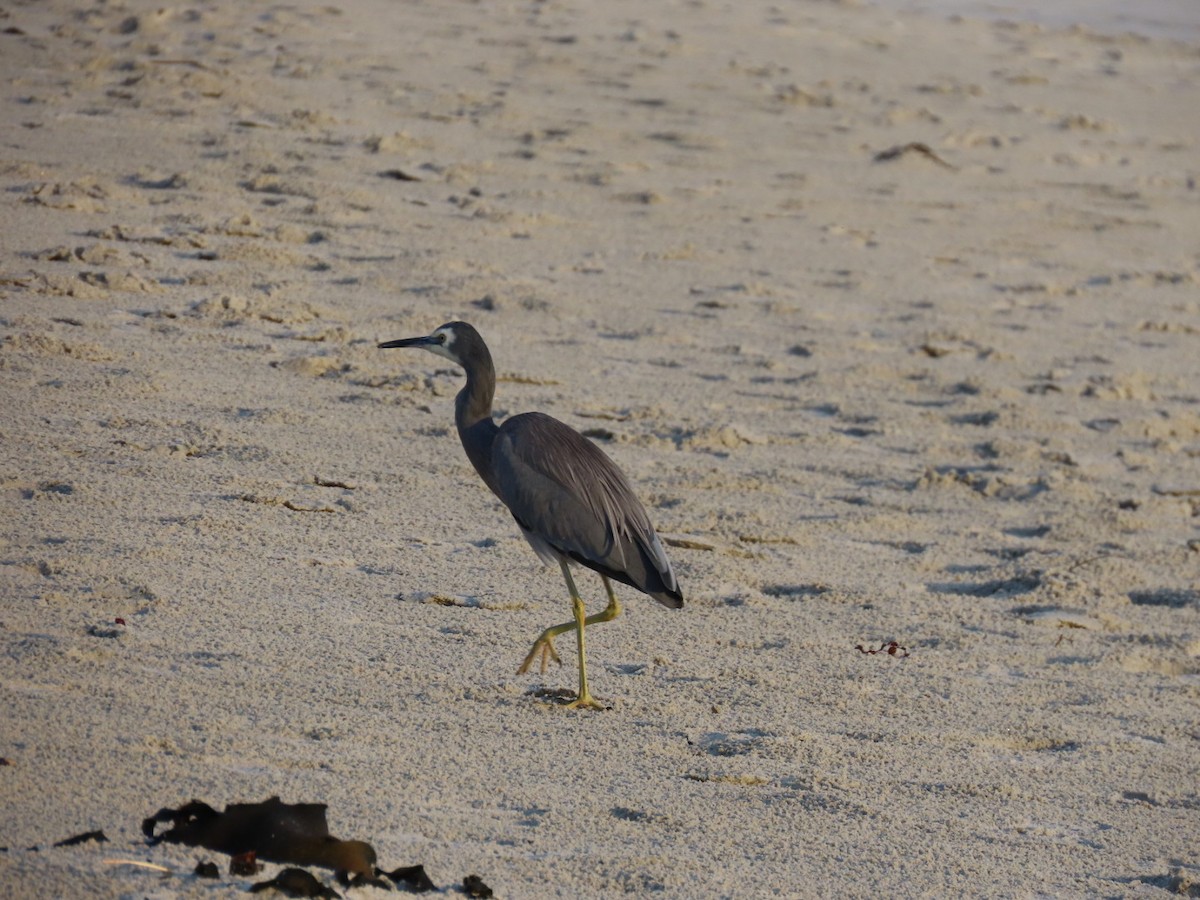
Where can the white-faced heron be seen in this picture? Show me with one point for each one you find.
(570, 500)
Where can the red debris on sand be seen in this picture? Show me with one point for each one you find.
(891, 648)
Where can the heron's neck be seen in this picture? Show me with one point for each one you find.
(474, 402)
(473, 416)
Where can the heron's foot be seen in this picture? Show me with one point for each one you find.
(586, 701)
(543, 647)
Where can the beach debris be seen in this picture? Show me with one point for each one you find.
(688, 543)
(912, 147)
(294, 882)
(272, 830)
(245, 864)
(98, 631)
(98, 836)
(332, 483)
(286, 504)
(411, 877)
(138, 864)
(891, 648)
(474, 887)
(206, 868)
(295, 833)
(1057, 617)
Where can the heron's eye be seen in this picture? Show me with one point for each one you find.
(441, 338)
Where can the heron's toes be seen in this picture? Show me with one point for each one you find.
(543, 646)
(587, 702)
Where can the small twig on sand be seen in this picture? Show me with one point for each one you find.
(913, 147)
(137, 862)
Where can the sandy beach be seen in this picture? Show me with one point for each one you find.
(892, 320)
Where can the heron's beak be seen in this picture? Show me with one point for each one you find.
(426, 341)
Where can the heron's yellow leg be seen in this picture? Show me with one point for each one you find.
(610, 612)
(544, 645)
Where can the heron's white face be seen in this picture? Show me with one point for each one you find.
(443, 344)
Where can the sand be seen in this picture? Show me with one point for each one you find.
(893, 321)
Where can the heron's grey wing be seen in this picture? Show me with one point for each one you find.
(563, 489)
